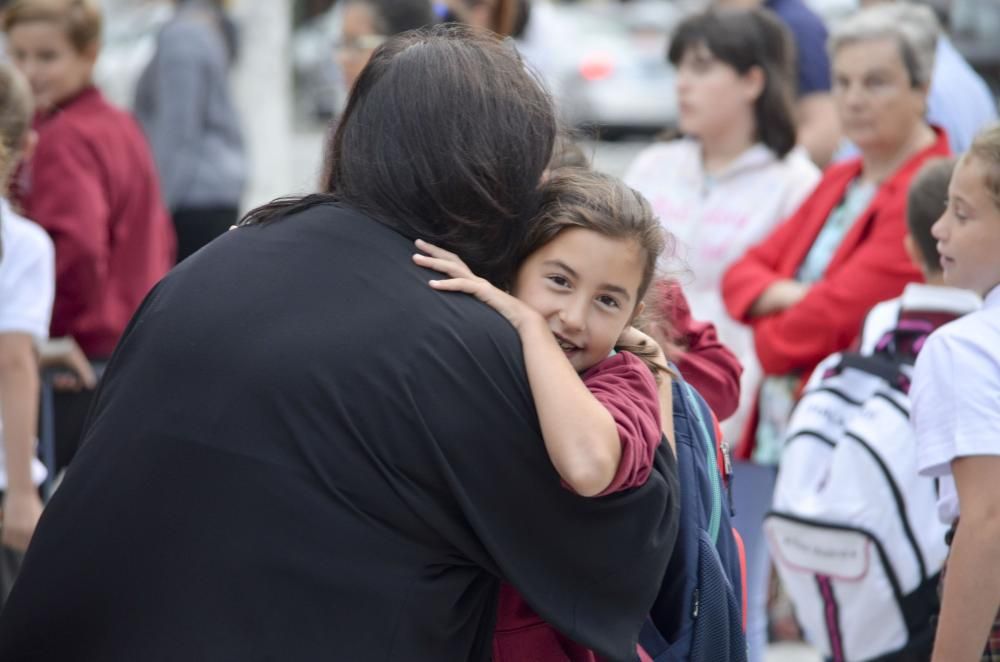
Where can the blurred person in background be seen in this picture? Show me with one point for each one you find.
(27, 288)
(92, 184)
(818, 130)
(367, 23)
(806, 288)
(722, 188)
(959, 100)
(186, 109)
(505, 17)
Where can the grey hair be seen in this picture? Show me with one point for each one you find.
(915, 29)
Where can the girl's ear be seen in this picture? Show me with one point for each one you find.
(754, 81)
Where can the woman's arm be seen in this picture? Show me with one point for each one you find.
(828, 316)
(972, 583)
(581, 435)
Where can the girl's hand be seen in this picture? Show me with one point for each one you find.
(73, 370)
(21, 510)
(461, 279)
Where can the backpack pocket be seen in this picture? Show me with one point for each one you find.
(718, 632)
(846, 595)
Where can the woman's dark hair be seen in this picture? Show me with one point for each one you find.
(926, 201)
(743, 39)
(395, 16)
(445, 137)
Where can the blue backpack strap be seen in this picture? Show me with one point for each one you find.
(710, 448)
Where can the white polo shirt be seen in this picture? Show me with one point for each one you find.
(956, 397)
(27, 289)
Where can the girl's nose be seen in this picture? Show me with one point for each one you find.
(572, 317)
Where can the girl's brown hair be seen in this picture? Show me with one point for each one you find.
(583, 198)
(80, 19)
(986, 149)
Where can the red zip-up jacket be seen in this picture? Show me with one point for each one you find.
(92, 185)
(869, 266)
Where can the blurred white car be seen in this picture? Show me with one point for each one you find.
(605, 66)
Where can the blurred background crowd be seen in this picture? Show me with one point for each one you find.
(603, 61)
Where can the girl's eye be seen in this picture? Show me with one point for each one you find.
(608, 301)
(960, 214)
(558, 280)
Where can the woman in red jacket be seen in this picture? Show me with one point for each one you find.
(91, 184)
(806, 288)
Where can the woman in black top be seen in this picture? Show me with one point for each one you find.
(302, 452)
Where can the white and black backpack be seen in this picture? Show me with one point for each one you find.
(854, 531)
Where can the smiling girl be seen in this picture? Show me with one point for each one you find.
(587, 261)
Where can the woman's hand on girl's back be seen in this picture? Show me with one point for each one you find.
(461, 279)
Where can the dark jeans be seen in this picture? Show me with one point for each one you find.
(196, 227)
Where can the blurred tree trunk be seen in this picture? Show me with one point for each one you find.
(263, 91)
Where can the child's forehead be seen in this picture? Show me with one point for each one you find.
(975, 181)
(591, 253)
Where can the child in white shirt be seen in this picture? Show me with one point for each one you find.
(27, 288)
(956, 408)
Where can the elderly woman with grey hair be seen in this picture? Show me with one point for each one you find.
(805, 289)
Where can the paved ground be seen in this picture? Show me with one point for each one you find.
(791, 653)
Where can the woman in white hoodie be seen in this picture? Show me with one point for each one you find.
(723, 186)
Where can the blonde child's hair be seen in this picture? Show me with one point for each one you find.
(986, 149)
(16, 108)
(81, 20)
